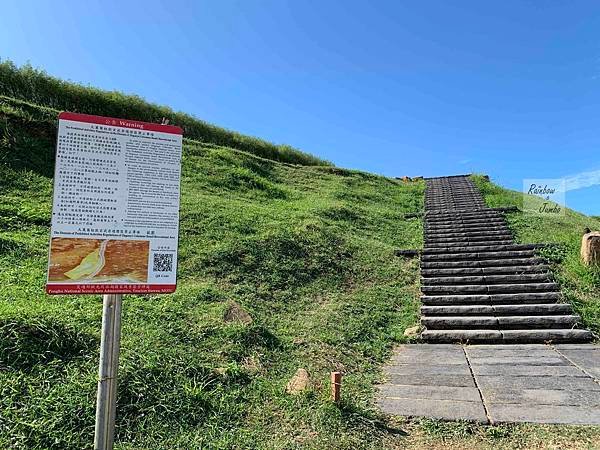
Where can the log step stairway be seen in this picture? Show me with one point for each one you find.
(478, 285)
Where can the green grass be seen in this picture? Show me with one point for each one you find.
(579, 283)
(33, 85)
(308, 251)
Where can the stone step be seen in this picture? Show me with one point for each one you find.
(454, 192)
(460, 194)
(453, 205)
(465, 222)
(491, 299)
(450, 217)
(474, 209)
(451, 182)
(461, 336)
(486, 279)
(446, 199)
(449, 246)
(479, 249)
(453, 187)
(460, 228)
(470, 240)
(499, 322)
(470, 222)
(470, 237)
(470, 271)
(442, 210)
(478, 256)
(449, 202)
(467, 194)
(490, 289)
(466, 235)
(462, 211)
(464, 243)
(452, 229)
(464, 207)
(449, 229)
(506, 336)
(506, 262)
(487, 231)
(534, 309)
(556, 335)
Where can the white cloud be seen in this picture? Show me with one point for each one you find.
(582, 180)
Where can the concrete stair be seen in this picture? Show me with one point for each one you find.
(478, 285)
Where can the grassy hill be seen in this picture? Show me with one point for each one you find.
(308, 251)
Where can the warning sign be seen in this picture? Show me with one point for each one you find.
(115, 213)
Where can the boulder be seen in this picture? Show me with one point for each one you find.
(590, 248)
(298, 383)
(235, 313)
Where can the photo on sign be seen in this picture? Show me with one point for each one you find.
(76, 260)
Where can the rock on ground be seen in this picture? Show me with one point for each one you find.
(412, 331)
(590, 248)
(299, 382)
(236, 313)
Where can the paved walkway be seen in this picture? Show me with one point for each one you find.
(495, 383)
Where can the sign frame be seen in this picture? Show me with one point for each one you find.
(140, 132)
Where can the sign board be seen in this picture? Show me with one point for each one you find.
(115, 212)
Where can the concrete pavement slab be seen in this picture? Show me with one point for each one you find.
(441, 409)
(459, 393)
(536, 382)
(432, 380)
(423, 369)
(528, 397)
(545, 414)
(516, 370)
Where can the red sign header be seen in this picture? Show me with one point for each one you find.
(123, 123)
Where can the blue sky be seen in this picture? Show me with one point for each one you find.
(511, 88)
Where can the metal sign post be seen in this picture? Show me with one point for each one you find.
(110, 344)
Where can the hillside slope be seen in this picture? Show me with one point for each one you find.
(33, 85)
(308, 251)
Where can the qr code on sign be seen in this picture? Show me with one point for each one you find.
(163, 262)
